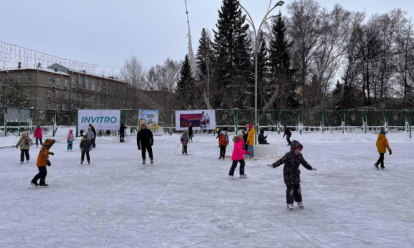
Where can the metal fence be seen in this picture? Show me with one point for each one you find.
(233, 119)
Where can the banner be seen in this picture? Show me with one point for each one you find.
(100, 119)
(150, 117)
(200, 119)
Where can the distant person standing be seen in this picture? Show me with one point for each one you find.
(190, 132)
(94, 136)
(90, 135)
(122, 132)
(288, 134)
(250, 140)
(70, 139)
(223, 142)
(184, 141)
(38, 135)
(145, 140)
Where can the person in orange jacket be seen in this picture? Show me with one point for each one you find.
(42, 161)
(382, 145)
(250, 140)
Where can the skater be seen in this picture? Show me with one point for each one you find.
(184, 141)
(42, 161)
(38, 135)
(93, 140)
(238, 156)
(245, 134)
(223, 142)
(145, 140)
(85, 146)
(24, 142)
(218, 130)
(70, 140)
(291, 173)
(190, 132)
(288, 134)
(382, 145)
(250, 140)
(122, 132)
(90, 134)
(262, 138)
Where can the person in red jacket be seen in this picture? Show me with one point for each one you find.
(38, 135)
(238, 156)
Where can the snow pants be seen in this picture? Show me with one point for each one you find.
(144, 151)
(87, 156)
(288, 139)
(380, 160)
(41, 175)
(24, 152)
(37, 140)
(222, 151)
(70, 144)
(121, 137)
(234, 165)
(184, 150)
(293, 192)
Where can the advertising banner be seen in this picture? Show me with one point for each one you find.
(200, 119)
(150, 117)
(101, 119)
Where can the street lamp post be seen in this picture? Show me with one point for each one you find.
(256, 50)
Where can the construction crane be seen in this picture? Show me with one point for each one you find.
(190, 46)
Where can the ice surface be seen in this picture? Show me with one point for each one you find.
(186, 201)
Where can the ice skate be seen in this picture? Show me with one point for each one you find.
(27, 161)
(300, 204)
(43, 185)
(382, 167)
(89, 162)
(376, 166)
(230, 177)
(33, 183)
(243, 176)
(290, 206)
(81, 162)
(143, 161)
(152, 161)
(21, 162)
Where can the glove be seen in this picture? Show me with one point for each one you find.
(139, 148)
(390, 152)
(51, 153)
(270, 165)
(48, 163)
(313, 168)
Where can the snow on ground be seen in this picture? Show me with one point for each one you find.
(186, 201)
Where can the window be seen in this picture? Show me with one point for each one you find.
(66, 82)
(66, 96)
(57, 94)
(86, 84)
(80, 82)
(49, 80)
(19, 78)
(49, 92)
(93, 85)
(57, 81)
(73, 97)
(99, 86)
(29, 77)
(73, 82)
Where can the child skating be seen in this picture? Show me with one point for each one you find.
(70, 140)
(85, 146)
(184, 141)
(291, 173)
(382, 145)
(24, 142)
(42, 161)
(223, 142)
(238, 156)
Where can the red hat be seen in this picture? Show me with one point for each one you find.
(299, 147)
(250, 125)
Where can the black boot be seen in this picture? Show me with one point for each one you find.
(43, 183)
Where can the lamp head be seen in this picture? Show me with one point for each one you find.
(280, 3)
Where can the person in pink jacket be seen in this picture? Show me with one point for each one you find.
(238, 156)
(38, 135)
(70, 139)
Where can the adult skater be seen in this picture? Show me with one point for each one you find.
(145, 140)
(250, 141)
(184, 142)
(291, 173)
(38, 135)
(190, 132)
(288, 134)
(382, 145)
(91, 136)
(262, 138)
(24, 142)
(42, 161)
(93, 140)
(238, 156)
(223, 142)
(122, 132)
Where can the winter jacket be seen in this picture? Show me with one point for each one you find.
(287, 132)
(94, 131)
(226, 138)
(245, 134)
(291, 172)
(122, 129)
(262, 138)
(85, 145)
(238, 152)
(145, 138)
(250, 137)
(382, 143)
(70, 136)
(90, 134)
(184, 138)
(24, 143)
(38, 133)
(190, 131)
(43, 157)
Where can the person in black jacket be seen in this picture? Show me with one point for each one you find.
(288, 134)
(262, 138)
(85, 146)
(122, 132)
(145, 140)
(190, 132)
(94, 136)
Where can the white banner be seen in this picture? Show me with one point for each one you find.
(100, 119)
(201, 119)
(150, 117)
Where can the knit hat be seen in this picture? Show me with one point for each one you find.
(240, 133)
(299, 147)
(250, 125)
(383, 132)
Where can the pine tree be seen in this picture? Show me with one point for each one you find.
(186, 85)
(233, 52)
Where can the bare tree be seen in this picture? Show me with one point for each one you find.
(133, 73)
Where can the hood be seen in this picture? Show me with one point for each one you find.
(262, 131)
(295, 144)
(223, 132)
(237, 139)
(48, 143)
(70, 130)
(381, 136)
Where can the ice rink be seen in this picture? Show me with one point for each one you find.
(186, 201)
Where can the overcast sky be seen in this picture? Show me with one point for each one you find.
(107, 32)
